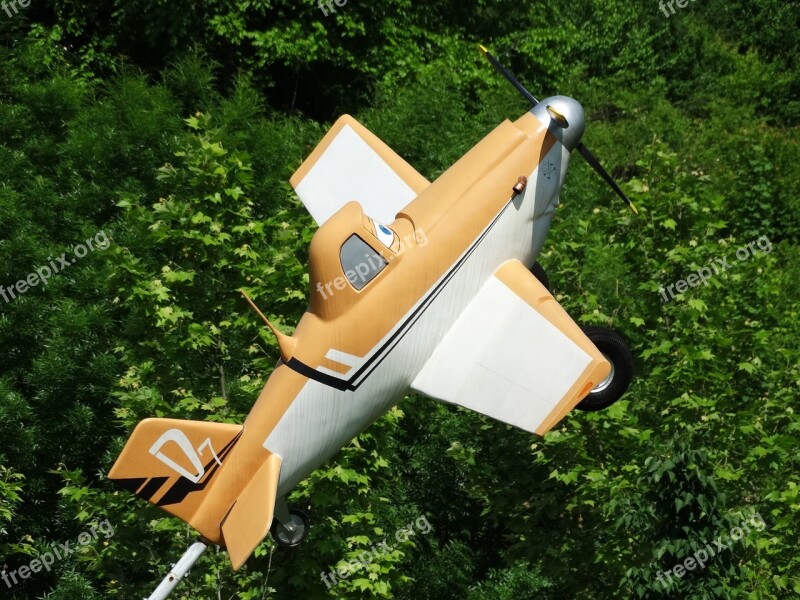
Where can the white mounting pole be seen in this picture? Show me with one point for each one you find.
(179, 571)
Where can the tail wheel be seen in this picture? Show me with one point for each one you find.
(538, 271)
(292, 533)
(614, 347)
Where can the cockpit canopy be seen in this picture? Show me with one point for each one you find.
(360, 262)
(348, 253)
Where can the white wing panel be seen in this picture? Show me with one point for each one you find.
(352, 164)
(510, 361)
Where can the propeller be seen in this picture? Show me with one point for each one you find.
(561, 121)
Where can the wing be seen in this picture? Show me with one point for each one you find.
(351, 163)
(514, 355)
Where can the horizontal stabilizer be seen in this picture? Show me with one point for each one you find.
(173, 464)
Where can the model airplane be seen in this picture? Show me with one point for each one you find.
(415, 286)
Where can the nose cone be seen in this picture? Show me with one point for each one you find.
(565, 115)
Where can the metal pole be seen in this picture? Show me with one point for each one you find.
(179, 571)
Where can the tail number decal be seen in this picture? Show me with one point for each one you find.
(177, 436)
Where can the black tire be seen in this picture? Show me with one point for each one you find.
(279, 533)
(539, 273)
(616, 350)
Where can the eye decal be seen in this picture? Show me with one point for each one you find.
(384, 234)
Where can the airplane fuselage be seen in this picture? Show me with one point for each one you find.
(335, 391)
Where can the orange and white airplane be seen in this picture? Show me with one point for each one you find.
(415, 286)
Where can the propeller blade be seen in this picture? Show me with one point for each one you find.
(585, 152)
(509, 75)
(595, 164)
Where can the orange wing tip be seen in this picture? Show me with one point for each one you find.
(597, 371)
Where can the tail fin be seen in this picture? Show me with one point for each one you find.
(174, 464)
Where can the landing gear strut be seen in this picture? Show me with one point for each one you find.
(289, 527)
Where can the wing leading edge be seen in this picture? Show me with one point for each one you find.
(514, 355)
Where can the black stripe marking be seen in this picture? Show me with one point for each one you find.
(132, 484)
(183, 487)
(149, 490)
(348, 384)
(329, 380)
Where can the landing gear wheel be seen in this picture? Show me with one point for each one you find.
(615, 349)
(539, 273)
(295, 534)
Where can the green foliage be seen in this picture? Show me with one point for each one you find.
(180, 270)
(516, 583)
(10, 499)
(695, 113)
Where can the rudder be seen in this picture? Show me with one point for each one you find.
(249, 519)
